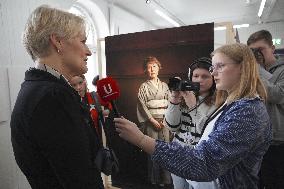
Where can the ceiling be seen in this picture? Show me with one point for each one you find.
(189, 12)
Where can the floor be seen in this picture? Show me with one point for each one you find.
(136, 185)
(140, 187)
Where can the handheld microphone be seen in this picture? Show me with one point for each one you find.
(108, 90)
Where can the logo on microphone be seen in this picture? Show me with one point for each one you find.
(108, 90)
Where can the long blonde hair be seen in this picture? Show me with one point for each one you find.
(250, 84)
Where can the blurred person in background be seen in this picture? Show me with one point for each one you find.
(272, 74)
(79, 83)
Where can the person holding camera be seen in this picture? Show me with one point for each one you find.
(152, 103)
(188, 110)
(236, 135)
(272, 75)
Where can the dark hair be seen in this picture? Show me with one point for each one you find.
(151, 59)
(94, 81)
(204, 63)
(260, 35)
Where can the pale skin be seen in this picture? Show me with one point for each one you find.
(227, 79)
(68, 57)
(201, 76)
(79, 84)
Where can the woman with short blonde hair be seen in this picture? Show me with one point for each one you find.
(54, 144)
(46, 21)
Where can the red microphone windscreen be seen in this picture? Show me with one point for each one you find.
(107, 89)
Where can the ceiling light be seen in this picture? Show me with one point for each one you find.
(148, 1)
(219, 28)
(166, 17)
(261, 7)
(241, 26)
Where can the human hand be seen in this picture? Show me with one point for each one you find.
(189, 98)
(106, 112)
(128, 130)
(175, 97)
(157, 125)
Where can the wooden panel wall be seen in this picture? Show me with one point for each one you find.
(175, 48)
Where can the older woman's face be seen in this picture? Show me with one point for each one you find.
(152, 70)
(226, 72)
(75, 54)
(79, 84)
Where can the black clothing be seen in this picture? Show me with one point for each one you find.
(53, 142)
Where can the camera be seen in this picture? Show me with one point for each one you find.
(258, 55)
(176, 84)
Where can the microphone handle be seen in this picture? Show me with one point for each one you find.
(116, 112)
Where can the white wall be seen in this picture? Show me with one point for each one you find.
(123, 22)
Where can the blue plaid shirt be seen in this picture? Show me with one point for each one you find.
(233, 152)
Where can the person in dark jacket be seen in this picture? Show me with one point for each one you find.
(53, 141)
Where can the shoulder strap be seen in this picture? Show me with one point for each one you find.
(198, 104)
(212, 116)
(101, 118)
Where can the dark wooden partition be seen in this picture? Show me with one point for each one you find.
(175, 48)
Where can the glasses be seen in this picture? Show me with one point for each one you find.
(217, 67)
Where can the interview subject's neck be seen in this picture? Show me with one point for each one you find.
(55, 63)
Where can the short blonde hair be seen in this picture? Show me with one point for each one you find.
(250, 84)
(45, 21)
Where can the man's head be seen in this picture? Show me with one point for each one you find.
(262, 40)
